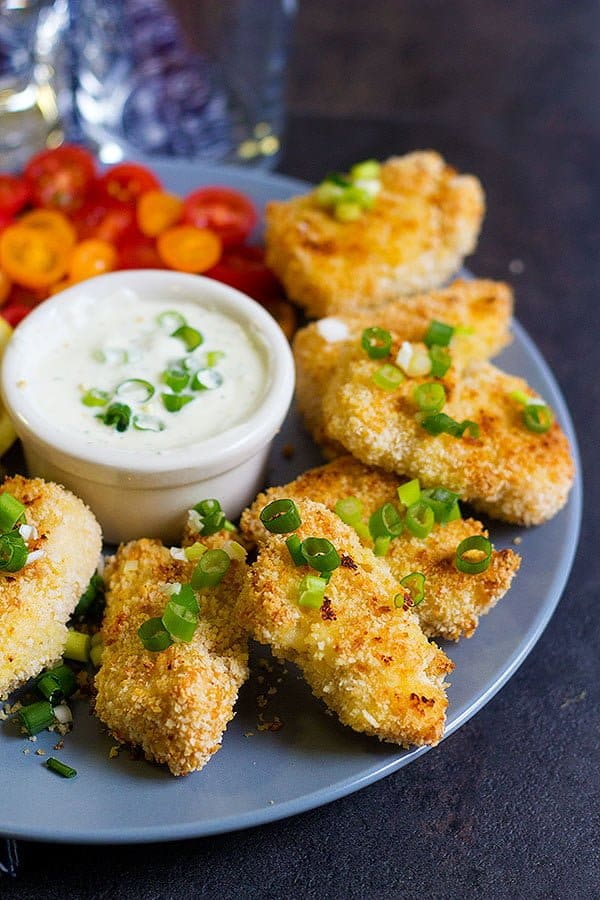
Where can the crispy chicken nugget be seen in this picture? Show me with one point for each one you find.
(368, 660)
(482, 308)
(37, 601)
(508, 472)
(425, 220)
(174, 704)
(453, 601)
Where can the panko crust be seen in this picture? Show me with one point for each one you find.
(37, 601)
(483, 308)
(174, 704)
(425, 220)
(368, 660)
(509, 472)
(453, 601)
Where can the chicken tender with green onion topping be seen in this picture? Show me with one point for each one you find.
(175, 704)
(366, 658)
(453, 600)
(37, 601)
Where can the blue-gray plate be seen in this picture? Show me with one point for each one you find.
(262, 775)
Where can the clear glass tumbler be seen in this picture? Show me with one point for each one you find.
(201, 79)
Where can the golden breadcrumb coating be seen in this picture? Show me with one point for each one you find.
(174, 704)
(37, 601)
(484, 308)
(508, 472)
(425, 220)
(368, 660)
(453, 600)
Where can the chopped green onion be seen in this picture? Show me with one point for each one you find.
(443, 503)
(385, 522)
(12, 512)
(281, 516)
(96, 654)
(368, 169)
(235, 551)
(211, 569)
(191, 337)
(464, 560)
(136, 390)
(382, 545)
(213, 357)
(213, 517)
(180, 622)
(349, 509)
(95, 397)
(520, 397)
(56, 684)
(117, 415)
(347, 212)
(320, 554)
(171, 320)
(339, 178)
(175, 378)
(195, 551)
(148, 423)
(77, 646)
(294, 546)
(438, 333)
(206, 380)
(420, 519)
(429, 397)
(440, 361)
(37, 717)
(409, 492)
(538, 418)
(13, 552)
(454, 513)
(359, 195)
(60, 768)
(175, 402)
(93, 592)
(376, 342)
(187, 598)
(388, 377)
(311, 590)
(415, 585)
(328, 194)
(154, 636)
(440, 423)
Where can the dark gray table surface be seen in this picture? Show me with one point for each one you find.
(508, 806)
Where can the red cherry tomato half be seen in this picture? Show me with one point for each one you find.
(14, 311)
(230, 214)
(127, 181)
(244, 268)
(14, 194)
(104, 219)
(138, 253)
(60, 178)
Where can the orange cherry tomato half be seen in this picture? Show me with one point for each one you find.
(60, 178)
(189, 249)
(50, 224)
(230, 214)
(14, 194)
(91, 257)
(127, 181)
(157, 211)
(5, 286)
(30, 258)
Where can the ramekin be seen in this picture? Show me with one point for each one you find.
(143, 494)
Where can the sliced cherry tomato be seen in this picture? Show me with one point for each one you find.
(157, 211)
(60, 178)
(127, 181)
(139, 253)
(189, 249)
(244, 268)
(5, 287)
(230, 214)
(50, 224)
(15, 312)
(32, 259)
(91, 257)
(14, 194)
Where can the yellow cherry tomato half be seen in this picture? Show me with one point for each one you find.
(30, 258)
(50, 224)
(189, 249)
(91, 257)
(157, 211)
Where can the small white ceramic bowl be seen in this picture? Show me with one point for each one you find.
(145, 494)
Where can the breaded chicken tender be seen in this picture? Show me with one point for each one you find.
(453, 600)
(508, 472)
(368, 660)
(174, 704)
(482, 308)
(425, 220)
(37, 601)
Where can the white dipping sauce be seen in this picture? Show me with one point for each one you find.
(124, 329)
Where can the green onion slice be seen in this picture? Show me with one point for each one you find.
(147, 423)
(187, 598)
(175, 402)
(77, 646)
(420, 519)
(368, 169)
(294, 546)
(443, 503)
(438, 333)
(94, 591)
(171, 320)
(154, 636)
(12, 512)
(429, 397)
(213, 357)
(385, 522)
(320, 554)
(191, 337)
(195, 551)
(440, 423)
(56, 684)
(117, 416)
(95, 397)
(376, 342)
(349, 509)
(409, 492)
(382, 545)
(281, 516)
(37, 716)
(13, 552)
(211, 569)
(179, 621)
(520, 397)
(60, 768)
(415, 585)
(466, 562)
(136, 390)
(440, 361)
(311, 590)
(176, 378)
(538, 417)
(206, 380)
(213, 517)
(388, 377)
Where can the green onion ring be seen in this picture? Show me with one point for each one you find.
(409, 492)
(311, 591)
(281, 516)
(440, 361)
(13, 552)
(538, 418)
(441, 501)
(320, 554)
(210, 569)
(154, 636)
(191, 337)
(294, 546)
(429, 397)
(388, 377)
(95, 397)
(420, 519)
(175, 402)
(385, 522)
(415, 585)
(12, 512)
(438, 334)
(478, 543)
(171, 320)
(179, 621)
(376, 342)
(37, 717)
(137, 390)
